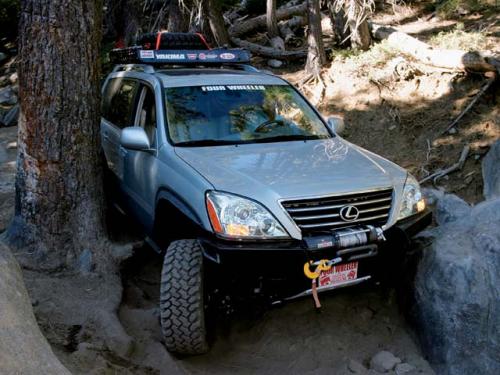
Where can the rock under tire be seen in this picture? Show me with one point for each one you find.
(182, 299)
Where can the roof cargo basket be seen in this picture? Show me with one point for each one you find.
(177, 49)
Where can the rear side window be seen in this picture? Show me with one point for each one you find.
(119, 101)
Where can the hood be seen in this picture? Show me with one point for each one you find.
(292, 169)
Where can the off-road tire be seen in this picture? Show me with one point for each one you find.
(182, 299)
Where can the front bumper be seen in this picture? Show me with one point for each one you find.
(276, 267)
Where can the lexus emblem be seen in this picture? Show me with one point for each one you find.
(349, 213)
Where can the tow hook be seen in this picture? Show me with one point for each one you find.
(320, 265)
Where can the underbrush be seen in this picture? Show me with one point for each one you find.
(460, 39)
(376, 56)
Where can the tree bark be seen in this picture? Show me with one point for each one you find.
(23, 349)
(59, 195)
(216, 21)
(287, 29)
(260, 22)
(178, 22)
(316, 56)
(449, 59)
(358, 26)
(271, 21)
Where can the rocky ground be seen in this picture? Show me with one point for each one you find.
(392, 106)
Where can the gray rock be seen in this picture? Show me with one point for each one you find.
(491, 172)
(403, 368)
(13, 78)
(85, 261)
(457, 299)
(356, 368)
(450, 208)
(274, 63)
(432, 195)
(384, 361)
(8, 96)
(10, 118)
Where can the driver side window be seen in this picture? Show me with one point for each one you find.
(146, 113)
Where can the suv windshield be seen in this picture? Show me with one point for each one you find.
(232, 114)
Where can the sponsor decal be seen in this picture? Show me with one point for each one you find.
(238, 87)
(213, 88)
(246, 87)
(324, 244)
(145, 54)
(339, 274)
(171, 56)
(227, 56)
(202, 56)
(191, 56)
(211, 56)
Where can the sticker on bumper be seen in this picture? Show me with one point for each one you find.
(338, 274)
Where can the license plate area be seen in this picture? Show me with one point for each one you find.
(339, 274)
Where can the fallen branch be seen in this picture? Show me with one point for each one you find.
(471, 104)
(443, 172)
(449, 59)
(269, 52)
(259, 22)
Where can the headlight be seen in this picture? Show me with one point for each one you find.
(237, 217)
(412, 202)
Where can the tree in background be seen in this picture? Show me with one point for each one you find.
(271, 22)
(59, 211)
(357, 12)
(216, 21)
(316, 56)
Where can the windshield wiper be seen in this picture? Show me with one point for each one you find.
(290, 137)
(206, 142)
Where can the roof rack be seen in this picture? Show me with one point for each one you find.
(177, 49)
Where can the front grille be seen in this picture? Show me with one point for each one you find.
(323, 214)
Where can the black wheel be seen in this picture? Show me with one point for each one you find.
(182, 302)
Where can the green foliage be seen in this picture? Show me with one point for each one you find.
(448, 8)
(460, 39)
(377, 55)
(9, 16)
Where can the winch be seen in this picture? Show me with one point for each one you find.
(346, 238)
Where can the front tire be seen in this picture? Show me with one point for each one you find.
(182, 302)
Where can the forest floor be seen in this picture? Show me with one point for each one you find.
(397, 113)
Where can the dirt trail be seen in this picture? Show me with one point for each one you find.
(354, 324)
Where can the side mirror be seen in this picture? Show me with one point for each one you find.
(336, 124)
(135, 138)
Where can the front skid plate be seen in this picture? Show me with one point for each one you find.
(308, 292)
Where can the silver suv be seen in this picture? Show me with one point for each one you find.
(250, 191)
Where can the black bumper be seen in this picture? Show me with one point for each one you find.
(281, 262)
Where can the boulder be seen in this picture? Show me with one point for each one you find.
(491, 172)
(8, 96)
(23, 349)
(457, 299)
(384, 361)
(10, 118)
(450, 208)
(274, 63)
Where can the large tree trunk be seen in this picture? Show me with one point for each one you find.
(316, 56)
(358, 25)
(59, 196)
(260, 22)
(271, 21)
(449, 59)
(339, 23)
(216, 21)
(178, 22)
(23, 349)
